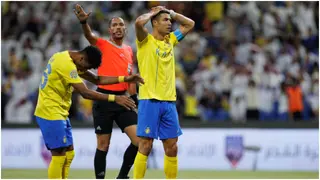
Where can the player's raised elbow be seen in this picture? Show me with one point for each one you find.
(139, 23)
(190, 25)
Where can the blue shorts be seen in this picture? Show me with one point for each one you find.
(57, 133)
(158, 119)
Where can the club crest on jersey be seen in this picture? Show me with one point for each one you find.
(147, 131)
(74, 74)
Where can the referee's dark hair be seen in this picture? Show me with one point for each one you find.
(110, 20)
(93, 56)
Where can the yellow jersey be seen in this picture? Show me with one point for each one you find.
(55, 89)
(157, 66)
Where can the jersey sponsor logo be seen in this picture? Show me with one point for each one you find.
(234, 149)
(164, 54)
(74, 74)
(99, 128)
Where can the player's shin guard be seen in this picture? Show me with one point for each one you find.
(140, 166)
(170, 167)
(55, 167)
(67, 163)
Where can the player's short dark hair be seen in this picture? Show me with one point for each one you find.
(93, 56)
(156, 16)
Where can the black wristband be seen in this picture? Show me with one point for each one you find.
(135, 99)
(83, 22)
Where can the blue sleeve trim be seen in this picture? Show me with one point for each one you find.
(178, 34)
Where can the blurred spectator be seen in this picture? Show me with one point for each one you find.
(313, 98)
(238, 109)
(266, 105)
(283, 104)
(311, 42)
(19, 108)
(295, 100)
(252, 96)
(191, 102)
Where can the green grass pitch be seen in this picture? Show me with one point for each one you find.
(159, 174)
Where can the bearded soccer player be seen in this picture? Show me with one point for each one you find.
(116, 61)
(59, 79)
(157, 113)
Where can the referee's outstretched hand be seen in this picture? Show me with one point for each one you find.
(135, 78)
(125, 101)
(80, 13)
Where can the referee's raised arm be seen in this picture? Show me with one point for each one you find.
(83, 16)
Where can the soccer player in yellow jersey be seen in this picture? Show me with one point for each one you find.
(157, 113)
(59, 80)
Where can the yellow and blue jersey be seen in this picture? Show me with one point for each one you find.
(55, 89)
(157, 66)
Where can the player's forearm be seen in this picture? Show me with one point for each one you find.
(132, 88)
(91, 77)
(93, 95)
(103, 80)
(107, 80)
(90, 94)
(143, 19)
(182, 20)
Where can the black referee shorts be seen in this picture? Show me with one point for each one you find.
(105, 113)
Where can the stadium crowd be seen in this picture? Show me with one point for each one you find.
(243, 61)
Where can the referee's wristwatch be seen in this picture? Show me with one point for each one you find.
(135, 99)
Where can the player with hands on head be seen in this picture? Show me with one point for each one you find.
(157, 113)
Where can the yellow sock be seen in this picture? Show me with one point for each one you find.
(170, 167)
(55, 167)
(140, 166)
(67, 163)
